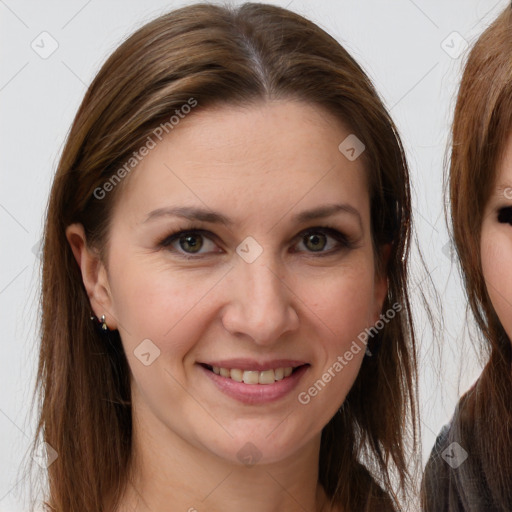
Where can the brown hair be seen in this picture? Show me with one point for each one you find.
(481, 126)
(217, 55)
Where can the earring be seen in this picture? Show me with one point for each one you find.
(102, 321)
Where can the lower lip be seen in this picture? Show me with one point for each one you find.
(256, 393)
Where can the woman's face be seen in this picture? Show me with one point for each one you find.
(496, 242)
(246, 290)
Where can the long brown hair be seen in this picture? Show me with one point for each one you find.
(481, 126)
(216, 55)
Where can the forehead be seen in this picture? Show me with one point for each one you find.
(501, 176)
(265, 157)
(504, 167)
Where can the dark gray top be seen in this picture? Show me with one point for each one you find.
(453, 480)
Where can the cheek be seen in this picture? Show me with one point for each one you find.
(341, 308)
(153, 301)
(343, 299)
(496, 247)
(338, 310)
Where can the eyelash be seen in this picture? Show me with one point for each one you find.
(505, 215)
(344, 242)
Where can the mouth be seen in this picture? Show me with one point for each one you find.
(252, 377)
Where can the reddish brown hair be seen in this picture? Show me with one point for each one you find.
(482, 124)
(216, 55)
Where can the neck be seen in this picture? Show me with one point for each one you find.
(167, 472)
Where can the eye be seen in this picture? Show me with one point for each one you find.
(505, 215)
(316, 240)
(188, 242)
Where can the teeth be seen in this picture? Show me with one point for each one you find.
(266, 377)
(254, 377)
(237, 375)
(251, 377)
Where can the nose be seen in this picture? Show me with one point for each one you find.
(261, 304)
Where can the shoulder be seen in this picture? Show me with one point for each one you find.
(453, 480)
(436, 477)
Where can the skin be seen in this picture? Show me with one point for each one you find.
(259, 166)
(496, 242)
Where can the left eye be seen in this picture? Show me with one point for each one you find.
(316, 240)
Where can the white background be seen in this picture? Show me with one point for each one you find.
(400, 45)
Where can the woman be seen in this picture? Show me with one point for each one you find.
(470, 468)
(226, 321)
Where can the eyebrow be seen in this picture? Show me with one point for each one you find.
(204, 215)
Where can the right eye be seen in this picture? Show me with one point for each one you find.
(187, 243)
(505, 215)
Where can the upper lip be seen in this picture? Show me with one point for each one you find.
(252, 364)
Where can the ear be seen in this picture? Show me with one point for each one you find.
(94, 274)
(381, 281)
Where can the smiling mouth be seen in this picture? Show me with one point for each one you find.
(254, 376)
